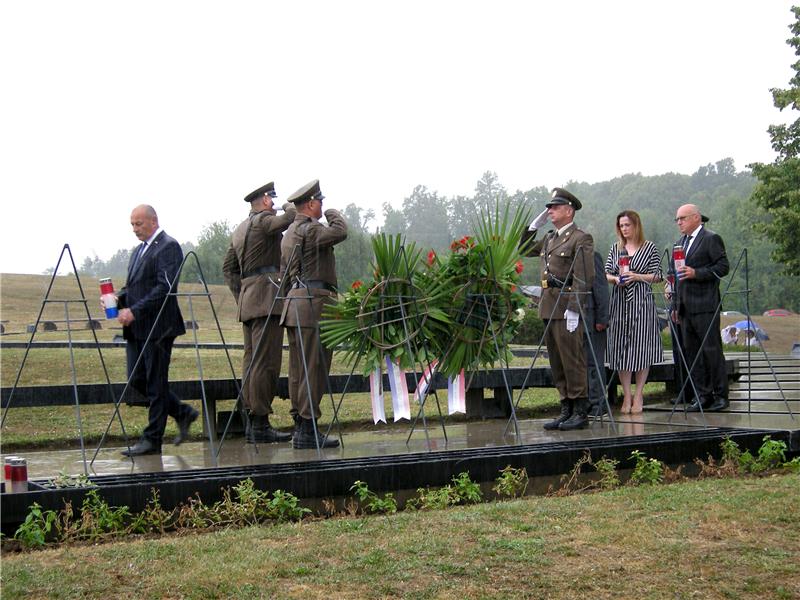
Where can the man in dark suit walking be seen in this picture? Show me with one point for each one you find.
(696, 309)
(152, 275)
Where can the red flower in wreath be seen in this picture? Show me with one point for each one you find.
(357, 284)
(431, 258)
(518, 267)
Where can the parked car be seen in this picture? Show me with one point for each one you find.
(731, 313)
(778, 312)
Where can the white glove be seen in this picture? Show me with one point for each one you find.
(572, 320)
(539, 221)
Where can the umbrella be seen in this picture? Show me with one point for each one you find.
(751, 325)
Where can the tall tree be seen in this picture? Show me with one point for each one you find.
(489, 191)
(460, 216)
(353, 256)
(425, 214)
(358, 218)
(778, 190)
(212, 243)
(394, 222)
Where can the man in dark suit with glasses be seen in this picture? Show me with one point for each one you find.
(696, 309)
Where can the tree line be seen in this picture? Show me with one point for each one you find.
(433, 221)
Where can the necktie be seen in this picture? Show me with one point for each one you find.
(139, 251)
(686, 242)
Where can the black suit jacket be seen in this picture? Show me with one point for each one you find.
(597, 302)
(148, 284)
(708, 258)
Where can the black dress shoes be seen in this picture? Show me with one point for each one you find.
(141, 448)
(268, 435)
(679, 400)
(598, 409)
(705, 402)
(719, 404)
(183, 426)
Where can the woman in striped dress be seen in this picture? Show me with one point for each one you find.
(634, 338)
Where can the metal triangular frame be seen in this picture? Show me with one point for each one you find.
(82, 300)
(210, 427)
(487, 302)
(615, 373)
(742, 260)
(239, 404)
(587, 337)
(378, 319)
(282, 294)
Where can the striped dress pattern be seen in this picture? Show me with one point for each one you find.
(634, 338)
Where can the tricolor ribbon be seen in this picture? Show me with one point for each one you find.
(456, 398)
(399, 389)
(376, 395)
(425, 381)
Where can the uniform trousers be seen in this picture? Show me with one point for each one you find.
(311, 358)
(262, 380)
(567, 359)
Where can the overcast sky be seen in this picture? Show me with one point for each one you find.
(189, 105)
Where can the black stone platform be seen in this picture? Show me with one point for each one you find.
(382, 459)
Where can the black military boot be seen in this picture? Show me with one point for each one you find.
(306, 438)
(261, 432)
(579, 418)
(298, 420)
(566, 413)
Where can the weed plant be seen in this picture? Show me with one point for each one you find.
(371, 501)
(245, 505)
(607, 468)
(512, 483)
(647, 470)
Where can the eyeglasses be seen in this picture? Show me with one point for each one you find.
(683, 218)
(271, 194)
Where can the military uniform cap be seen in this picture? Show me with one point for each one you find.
(562, 196)
(704, 219)
(268, 189)
(309, 191)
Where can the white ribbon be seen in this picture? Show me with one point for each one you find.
(456, 396)
(399, 388)
(376, 395)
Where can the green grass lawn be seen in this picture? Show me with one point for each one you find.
(713, 538)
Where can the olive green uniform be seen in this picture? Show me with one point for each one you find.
(309, 266)
(565, 349)
(252, 272)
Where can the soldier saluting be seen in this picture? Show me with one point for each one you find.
(560, 306)
(309, 268)
(251, 269)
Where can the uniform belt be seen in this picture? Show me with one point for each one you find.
(555, 282)
(260, 271)
(316, 284)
